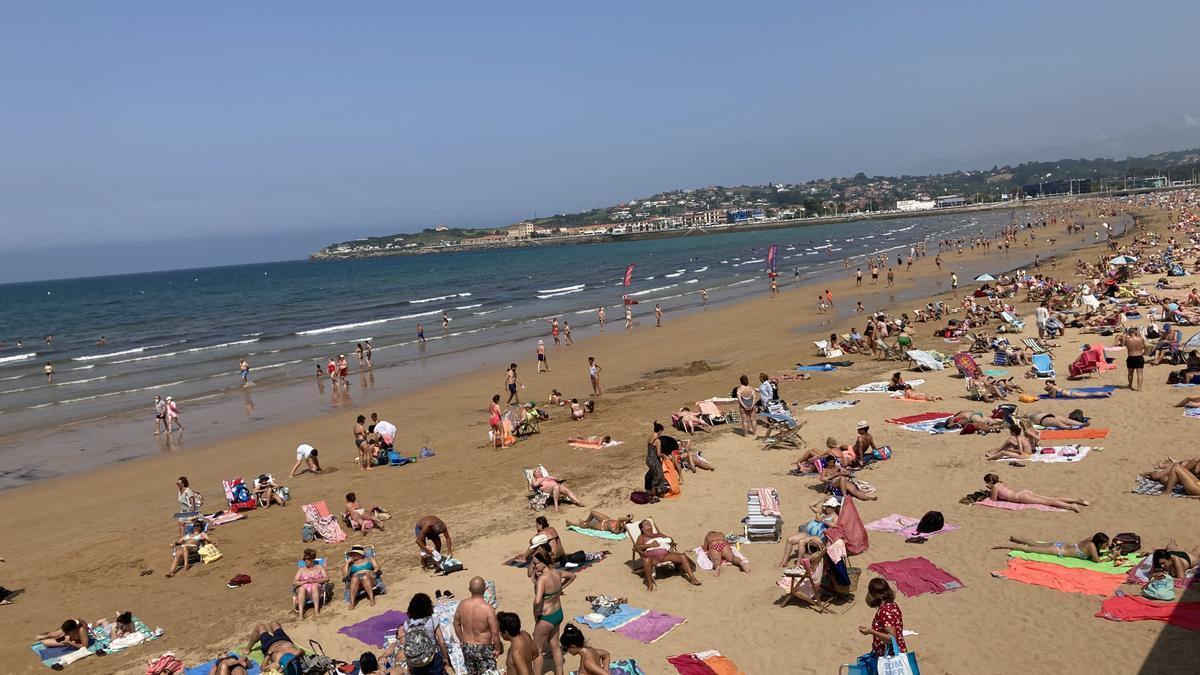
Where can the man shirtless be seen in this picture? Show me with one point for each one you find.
(476, 628)
(521, 650)
(278, 649)
(512, 382)
(864, 442)
(1135, 355)
(429, 532)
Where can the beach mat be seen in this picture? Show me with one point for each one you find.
(922, 417)
(1072, 434)
(832, 404)
(704, 663)
(1062, 453)
(223, 517)
(1153, 488)
(520, 563)
(821, 368)
(1072, 561)
(623, 615)
(650, 627)
(1191, 412)
(1060, 578)
(204, 668)
(100, 641)
(585, 446)
(373, 631)
(905, 526)
(1136, 608)
(599, 534)
(1106, 389)
(1013, 506)
(916, 576)
(878, 387)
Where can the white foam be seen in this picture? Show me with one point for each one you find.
(543, 296)
(469, 306)
(564, 288)
(360, 324)
(18, 357)
(652, 290)
(674, 274)
(90, 379)
(278, 365)
(702, 269)
(80, 368)
(440, 297)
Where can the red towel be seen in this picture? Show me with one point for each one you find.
(916, 576)
(1068, 434)
(923, 417)
(1066, 579)
(850, 528)
(1137, 608)
(688, 664)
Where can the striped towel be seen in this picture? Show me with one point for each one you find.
(768, 501)
(1153, 488)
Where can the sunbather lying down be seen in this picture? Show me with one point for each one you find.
(1094, 548)
(225, 664)
(1052, 421)
(1192, 401)
(590, 441)
(910, 394)
(980, 421)
(598, 521)
(841, 482)
(1058, 392)
(720, 551)
(1002, 492)
(1180, 562)
(842, 454)
(1171, 472)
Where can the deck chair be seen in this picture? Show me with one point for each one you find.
(756, 524)
(238, 494)
(528, 424)
(979, 343)
(1043, 366)
(710, 412)
(634, 530)
(967, 367)
(890, 353)
(827, 350)
(999, 358)
(782, 430)
(922, 360)
(1011, 324)
(538, 499)
(324, 524)
(1034, 346)
(380, 588)
(1085, 365)
(806, 582)
(326, 589)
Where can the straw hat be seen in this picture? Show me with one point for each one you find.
(538, 540)
(357, 550)
(862, 424)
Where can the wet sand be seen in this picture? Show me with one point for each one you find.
(85, 539)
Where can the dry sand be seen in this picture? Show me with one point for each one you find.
(76, 545)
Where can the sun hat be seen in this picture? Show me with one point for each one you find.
(538, 540)
(168, 398)
(862, 424)
(832, 501)
(356, 550)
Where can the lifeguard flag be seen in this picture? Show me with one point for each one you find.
(629, 274)
(771, 251)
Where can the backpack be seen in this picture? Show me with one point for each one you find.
(1126, 543)
(419, 648)
(310, 664)
(932, 521)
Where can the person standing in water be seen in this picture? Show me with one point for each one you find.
(600, 316)
(628, 316)
(367, 353)
(172, 416)
(49, 370)
(244, 367)
(554, 329)
(420, 332)
(160, 413)
(657, 316)
(704, 297)
(445, 320)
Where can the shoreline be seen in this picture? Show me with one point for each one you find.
(645, 378)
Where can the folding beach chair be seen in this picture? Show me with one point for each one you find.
(827, 350)
(979, 343)
(529, 422)
(890, 353)
(324, 524)
(967, 367)
(634, 530)
(1000, 358)
(782, 429)
(805, 582)
(238, 494)
(1043, 366)
(1085, 365)
(538, 499)
(380, 588)
(326, 588)
(1034, 345)
(757, 524)
(1011, 323)
(922, 360)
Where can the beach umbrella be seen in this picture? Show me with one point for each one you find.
(1123, 260)
(985, 277)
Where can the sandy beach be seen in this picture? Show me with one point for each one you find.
(75, 546)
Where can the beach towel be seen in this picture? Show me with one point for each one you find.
(625, 667)
(323, 523)
(1013, 506)
(1062, 453)
(821, 368)
(204, 668)
(624, 615)
(100, 641)
(849, 529)
(1136, 608)
(705, 563)
(937, 426)
(372, 631)
(1072, 561)
(672, 476)
(925, 360)
(650, 627)
(1095, 392)
(996, 373)
(1065, 579)
(905, 526)
(922, 417)
(1191, 412)
(593, 445)
(1072, 434)
(443, 613)
(879, 387)
(768, 501)
(832, 404)
(916, 576)
(704, 663)
(520, 563)
(599, 534)
(1153, 488)
(222, 517)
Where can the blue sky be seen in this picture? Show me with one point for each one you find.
(297, 123)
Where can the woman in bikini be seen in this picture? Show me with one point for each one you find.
(185, 546)
(1171, 473)
(1052, 421)
(655, 548)
(1017, 446)
(548, 587)
(309, 583)
(544, 482)
(598, 521)
(1177, 562)
(975, 418)
(720, 551)
(910, 394)
(362, 572)
(1094, 548)
(690, 421)
(842, 454)
(1056, 391)
(746, 398)
(1001, 492)
(363, 445)
(683, 456)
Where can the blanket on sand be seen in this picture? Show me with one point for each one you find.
(832, 404)
(879, 387)
(1072, 434)
(704, 663)
(1061, 453)
(705, 563)
(1071, 561)
(1136, 608)
(905, 526)
(599, 534)
(373, 631)
(1013, 506)
(916, 576)
(1060, 578)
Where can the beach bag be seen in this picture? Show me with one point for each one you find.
(209, 553)
(1004, 410)
(1027, 398)
(882, 453)
(450, 565)
(1162, 588)
(419, 648)
(933, 521)
(641, 497)
(1076, 415)
(164, 665)
(307, 533)
(900, 664)
(310, 664)
(1126, 543)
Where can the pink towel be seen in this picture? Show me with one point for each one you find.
(923, 417)
(650, 626)
(1136, 608)
(768, 503)
(916, 576)
(688, 664)
(905, 526)
(1013, 506)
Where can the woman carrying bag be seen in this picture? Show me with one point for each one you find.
(888, 652)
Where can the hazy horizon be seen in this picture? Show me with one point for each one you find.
(247, 133)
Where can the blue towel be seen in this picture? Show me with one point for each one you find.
(203, 668)
(624, 615)
(823, 368)
(1087, 390)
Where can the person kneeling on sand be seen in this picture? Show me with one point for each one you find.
(656, 548)
(1001, 492)
(360, 518)
(592, 661)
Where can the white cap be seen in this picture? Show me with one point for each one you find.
(832, 501)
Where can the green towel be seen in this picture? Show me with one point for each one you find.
(599, 534)
(996, 373)
(1072, 561)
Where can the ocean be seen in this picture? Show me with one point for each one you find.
(182, 333)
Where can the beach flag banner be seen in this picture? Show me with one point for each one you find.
(629, 274)
(771, 253)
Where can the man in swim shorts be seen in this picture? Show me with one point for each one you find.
(429, 531)
(511, 381)
(277, 648)
(541, 357)
(1135, 359)
(477, 630)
